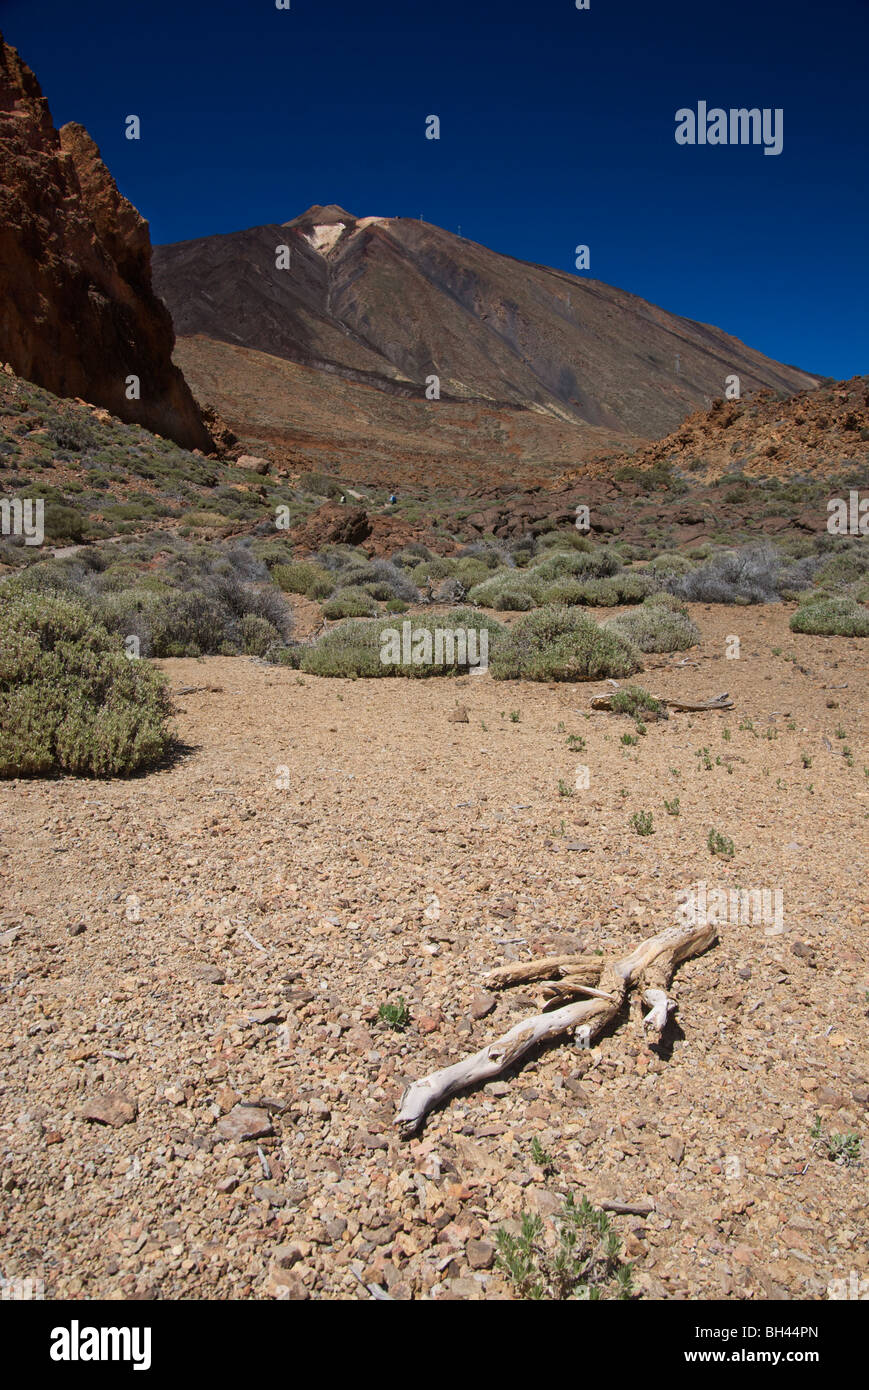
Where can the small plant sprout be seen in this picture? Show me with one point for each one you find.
(564, 789)
(672, 807)
(395, 1016)
(541, 1157)
(719, 844)
(844, 1149)
(577, 1257)
(641, 821)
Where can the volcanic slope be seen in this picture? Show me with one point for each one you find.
(392, 302)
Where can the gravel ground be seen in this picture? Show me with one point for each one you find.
(197, 1097)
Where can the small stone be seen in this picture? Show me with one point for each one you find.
(480, 1254)
(458, 716)
(114, 1108)
(208, 974)
(825, 1095)
(226, 1098)
(264, 1193)
(482, 1005)
(267, 1015)
(245, 1122)
(675, 1148)
(227, 1184)
(75, 929)
(430, 1022)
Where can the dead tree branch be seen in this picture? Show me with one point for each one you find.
(651, 965)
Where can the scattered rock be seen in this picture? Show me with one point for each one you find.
(113, 1108)
(244, 1122)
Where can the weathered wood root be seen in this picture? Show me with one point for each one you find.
(652, 963)
(585, 968)
(722, 701)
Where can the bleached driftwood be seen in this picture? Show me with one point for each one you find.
(585, 968)
(652, 963)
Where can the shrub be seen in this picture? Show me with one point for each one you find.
(70, 700)
(391, 582)
(74, 434)
(642, 822)
(350, 603)
(471, 571)
(64, 524)
(437, 568)
(565, 540)
(591, 564)
(655, 627)
(506, 592)
(257, 635)
(720, 844)
(670, 562)
(320, 485)
(628, 587)
(754, 574)
(634, 700)
(831, 616)
(301, 577)
(560, 644)
(354, 648)
(578, 1258)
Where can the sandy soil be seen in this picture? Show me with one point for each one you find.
(224, 931)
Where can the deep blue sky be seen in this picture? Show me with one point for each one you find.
(557, 128)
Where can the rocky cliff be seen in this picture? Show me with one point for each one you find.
(78, 314)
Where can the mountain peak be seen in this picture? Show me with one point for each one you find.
(317, 216)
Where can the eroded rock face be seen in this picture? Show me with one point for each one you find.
(78, 314)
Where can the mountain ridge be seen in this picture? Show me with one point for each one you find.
(404, 301)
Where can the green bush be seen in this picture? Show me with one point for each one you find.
(354, 648)
(634, 700)
(565, 540)
(590, 564)
(670, 562)
(64, 524)
(471, 571)
(559, 644)
(656, 627)
(302, 577)
(505, 591)
(831, 616)
(437, 568)
(350, 603)
(70, 700)
(257, 635)
(627, 587)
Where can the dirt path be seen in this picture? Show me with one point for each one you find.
(246, 912)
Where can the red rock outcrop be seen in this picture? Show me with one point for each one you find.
(78, 314)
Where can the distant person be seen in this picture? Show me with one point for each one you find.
(392, 499)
